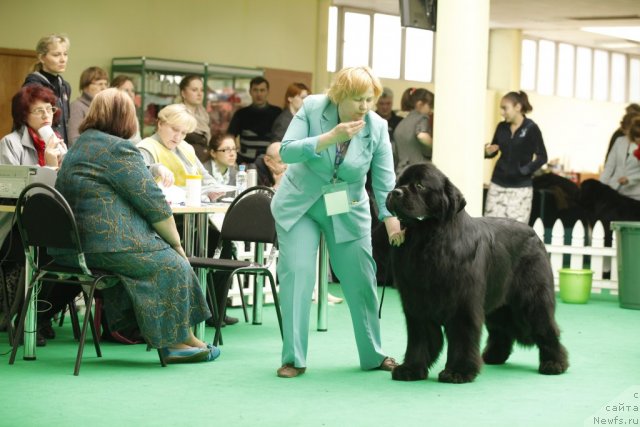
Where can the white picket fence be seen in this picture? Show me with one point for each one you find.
(602, 258)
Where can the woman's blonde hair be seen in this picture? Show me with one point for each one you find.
(111, 111)
(353, 81)
(178, 115)
(42, 48)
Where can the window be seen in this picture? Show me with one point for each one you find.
(387, 38)
(634, 80)
(546, 66)
(379, 41)
(419, 55)
(332, 39)
(583, 72)
(577, 71)
(355, 50)
(618, 77)
(566, 63)
(528, 65)
(600, 75)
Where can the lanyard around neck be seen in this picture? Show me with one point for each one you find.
(341, 152)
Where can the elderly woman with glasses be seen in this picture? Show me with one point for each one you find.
(33, 110)
(169, 157)
(33, 142)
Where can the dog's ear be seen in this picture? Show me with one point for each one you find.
(455, 201)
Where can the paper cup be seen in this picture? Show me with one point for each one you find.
(193, 190)
(46, 132)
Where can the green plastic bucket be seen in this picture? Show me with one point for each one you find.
(628, 252)
(575, 285)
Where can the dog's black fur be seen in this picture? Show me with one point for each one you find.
(456, 272)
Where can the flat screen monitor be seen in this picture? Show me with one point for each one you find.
(418, 14)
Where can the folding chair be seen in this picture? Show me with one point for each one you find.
(248, 219)
(59, 230)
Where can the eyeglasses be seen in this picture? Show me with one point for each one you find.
(227, 150)
(43, 111)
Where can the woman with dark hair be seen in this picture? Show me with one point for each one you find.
(53, 52)
(413, 136)
(293, 97)
(32, 142)
(125, 84)
(519, 140)
(92, 81)
(192, 94)
(126, 227)
(222, 164)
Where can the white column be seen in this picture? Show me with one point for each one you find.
(460, 88)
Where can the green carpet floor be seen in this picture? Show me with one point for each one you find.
(127, 387)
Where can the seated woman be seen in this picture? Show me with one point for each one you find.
(222, 165)
(34, 113)
(616, 197)
(126, 227)
(169, 157)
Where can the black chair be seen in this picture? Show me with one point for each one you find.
(59, 230)
(248, 219)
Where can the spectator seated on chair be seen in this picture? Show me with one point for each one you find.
(126, 227)
(34, 108)
(270, 166)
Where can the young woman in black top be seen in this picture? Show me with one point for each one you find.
(519, 141)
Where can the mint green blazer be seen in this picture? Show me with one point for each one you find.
(309, 171)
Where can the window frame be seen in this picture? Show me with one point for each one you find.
(340, 28)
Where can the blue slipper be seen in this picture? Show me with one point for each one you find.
(214, 352)
(185, 355)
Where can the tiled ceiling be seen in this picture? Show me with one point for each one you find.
(558, 20)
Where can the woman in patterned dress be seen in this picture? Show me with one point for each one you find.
(126, 227)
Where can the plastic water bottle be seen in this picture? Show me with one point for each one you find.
(241, 180)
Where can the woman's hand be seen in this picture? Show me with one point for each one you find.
(345, 131)
(394, 231)
(167, 178)
(341, 133)
(54, 150)
(489, 149)
(178, 248)
(623, 180)
(213, 196)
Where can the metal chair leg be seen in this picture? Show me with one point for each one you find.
(223, 305)
(276, 302)
(20, 330)
(83, 333)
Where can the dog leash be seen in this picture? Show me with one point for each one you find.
(384, 285)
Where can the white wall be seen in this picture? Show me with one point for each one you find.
(576, 131)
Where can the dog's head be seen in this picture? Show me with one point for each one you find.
(422, 193)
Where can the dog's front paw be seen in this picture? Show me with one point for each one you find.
(408, 373)
(449, 376)
(553, 367)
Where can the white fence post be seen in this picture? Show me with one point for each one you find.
(557, 239)
(600, 255)
(577, 241)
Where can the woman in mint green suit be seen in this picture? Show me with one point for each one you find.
(330, 145)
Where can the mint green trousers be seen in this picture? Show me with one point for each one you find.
(352, 262)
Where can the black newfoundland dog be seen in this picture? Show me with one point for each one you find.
(456, 272)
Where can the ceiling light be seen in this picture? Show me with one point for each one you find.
(627, 33)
